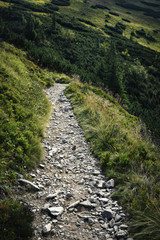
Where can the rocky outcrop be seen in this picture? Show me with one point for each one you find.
(73, 201)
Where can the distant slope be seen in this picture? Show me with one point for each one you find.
(135, 16)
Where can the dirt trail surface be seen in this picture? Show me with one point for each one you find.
(71, 198)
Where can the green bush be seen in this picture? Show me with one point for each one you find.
(15, 221)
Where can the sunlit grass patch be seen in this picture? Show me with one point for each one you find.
(41, 2)
(62, 78)
(24, 111)
(4, 4)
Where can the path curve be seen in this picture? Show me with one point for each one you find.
(74, 199)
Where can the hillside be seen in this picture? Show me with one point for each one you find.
(110, 52)
(125, 155)
(95, 40)
(24, 112)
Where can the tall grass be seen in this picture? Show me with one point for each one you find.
(116, 139)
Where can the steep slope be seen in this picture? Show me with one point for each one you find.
(97, 42)
(24, 111)
(120, 142)
(103, 43)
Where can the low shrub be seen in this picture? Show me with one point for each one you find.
(15, 221)
(114, 13)
(126, 20)
(99, 6)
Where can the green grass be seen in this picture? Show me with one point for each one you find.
(24, 110)
(62, 78)
(4, 4)
(24, 113)
(97, 16)
(116, 139)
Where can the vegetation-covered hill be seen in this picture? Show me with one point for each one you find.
(112, 44)
(97, 40)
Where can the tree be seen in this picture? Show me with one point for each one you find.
(111, 71)
(31, 34)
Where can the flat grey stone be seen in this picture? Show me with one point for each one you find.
(96, 172)
(84, 215)
(42, 166)
(53, 151)
(107, 236)
(104, 200)
(100, 184)
(25, 182)
(111, 223)
(45, 207)
(68, 196)
(105, 226)
(51, 196)
(87, 204)
(121, 233)
(123, 227)
(55, 211)
(118, 218)
(75, 204)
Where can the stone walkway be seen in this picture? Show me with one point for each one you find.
(72, 200)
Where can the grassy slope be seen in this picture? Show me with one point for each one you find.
(139, 178)
(137, 19)
(24, 109)
(24, 112)
(68, 44)
(116, 138)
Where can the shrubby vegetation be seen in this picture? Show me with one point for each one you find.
(147, 11)
(23, 115)
(24, 108)
(66, 44)
(132, 160)
(15, 221)
(100, 6)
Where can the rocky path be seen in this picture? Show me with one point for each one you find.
(72, 200)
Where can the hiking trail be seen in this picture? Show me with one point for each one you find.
(71, 198)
